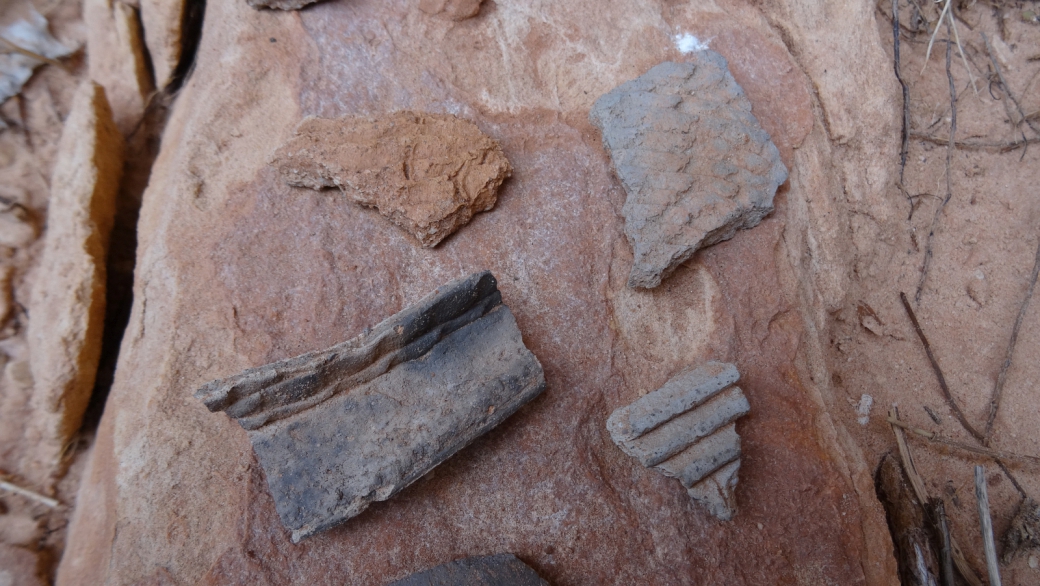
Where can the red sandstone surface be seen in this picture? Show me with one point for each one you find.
(234, 269)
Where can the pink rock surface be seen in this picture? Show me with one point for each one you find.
(235, 269)
(68, 300)
(19, 567)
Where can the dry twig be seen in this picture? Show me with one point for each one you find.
(905, 134)
(998, 390)
(949, 397)
(1002, 147)
(1007, 89)
(949, 181)
(938, 371)
(988, 547)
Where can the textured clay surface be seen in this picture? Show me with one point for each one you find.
(237, 269)
(686, 430)
(339, 429)
(452, 9)
(280, 4)
(68, 303)
(427, 173)
(490, 570)
(695, 162)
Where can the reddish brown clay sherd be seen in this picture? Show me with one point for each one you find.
(427, 173)
(454, 9)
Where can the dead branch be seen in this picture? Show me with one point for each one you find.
(922, 496)
(942, 527)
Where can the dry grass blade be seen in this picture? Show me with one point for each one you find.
(931, 40)
(988, 546)
(951, 24)
(960, 49)
(998, 389)
(17, 49)
(922, 496)
(908, 462)
(939, 439)
(13, 488)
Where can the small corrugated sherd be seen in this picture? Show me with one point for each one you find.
(694, 161)
(687, 430)
(340, 428)
(503, 569)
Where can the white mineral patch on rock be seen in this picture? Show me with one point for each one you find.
(687, 43)
(863, 410)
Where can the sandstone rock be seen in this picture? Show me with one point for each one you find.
(491, 570)
(236, 269)
(427, 173)
(695, 162)
(16, 227)
(685, 430)
(453, 9)
(67, 309)
(163, 22)
(19, 529)
(6, 297)
(338, 429)
(281, 4)
(19, 567)
(116, 56)
(18, 374)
